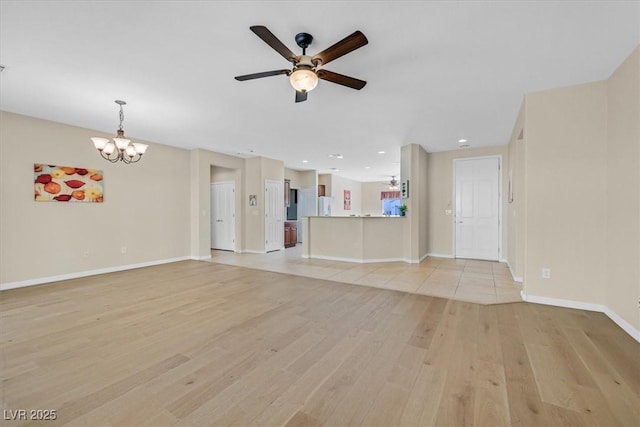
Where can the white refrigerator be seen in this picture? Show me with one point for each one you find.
(324, 206)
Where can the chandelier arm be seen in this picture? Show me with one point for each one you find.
(108, 156)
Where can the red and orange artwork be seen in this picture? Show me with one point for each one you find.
(67, 184)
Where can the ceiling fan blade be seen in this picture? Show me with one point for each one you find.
(261, 75)
(268, 37)
(340, 79)
(344, 46)
(301, 96)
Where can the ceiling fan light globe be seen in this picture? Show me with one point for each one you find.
(303, 80)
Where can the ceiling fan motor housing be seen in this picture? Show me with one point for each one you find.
(304, 40)
(305, 62)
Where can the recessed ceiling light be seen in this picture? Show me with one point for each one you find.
(305, 161)
(380, 152)
(367, 167)
(336, 156)
(462, 141)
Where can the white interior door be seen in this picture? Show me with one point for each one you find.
(223, 212)
(273, 215)
(477, 220)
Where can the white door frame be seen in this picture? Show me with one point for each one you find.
(453, 195)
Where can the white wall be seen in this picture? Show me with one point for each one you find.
(145, 209)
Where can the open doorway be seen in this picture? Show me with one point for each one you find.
(292, 209)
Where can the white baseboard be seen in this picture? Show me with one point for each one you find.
(626, 326)
(356, 260)
(441, 255)
(42, 280)
(248, 251)
(201, 258)
(513, 276)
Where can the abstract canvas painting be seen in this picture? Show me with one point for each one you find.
(67, 184)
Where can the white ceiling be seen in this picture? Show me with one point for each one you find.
(436, 71)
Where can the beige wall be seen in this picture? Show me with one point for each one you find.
(325, 179)
(622, 244)
(580, 158)
(566, 190)
(258, 169)
(301, 179)
(338, 186)
(201, 162)
(516, 211)
(220, 174)
(355, 239)
(146, 205)
(414, 168)
(440, 195)
(371, 202)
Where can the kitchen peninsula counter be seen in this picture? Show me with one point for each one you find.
(359, 239)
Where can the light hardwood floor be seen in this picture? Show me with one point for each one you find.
(204, 344)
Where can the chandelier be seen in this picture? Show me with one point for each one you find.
(121, 149)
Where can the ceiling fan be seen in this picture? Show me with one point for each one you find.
(305, 72)
(392, 183)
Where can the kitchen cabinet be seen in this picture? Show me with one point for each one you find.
(290, 234)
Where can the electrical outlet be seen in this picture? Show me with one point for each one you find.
(546, 273)
(123, 250)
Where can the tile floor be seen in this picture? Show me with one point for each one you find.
(482, 282)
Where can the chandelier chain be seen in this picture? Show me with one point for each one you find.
(121, 117)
